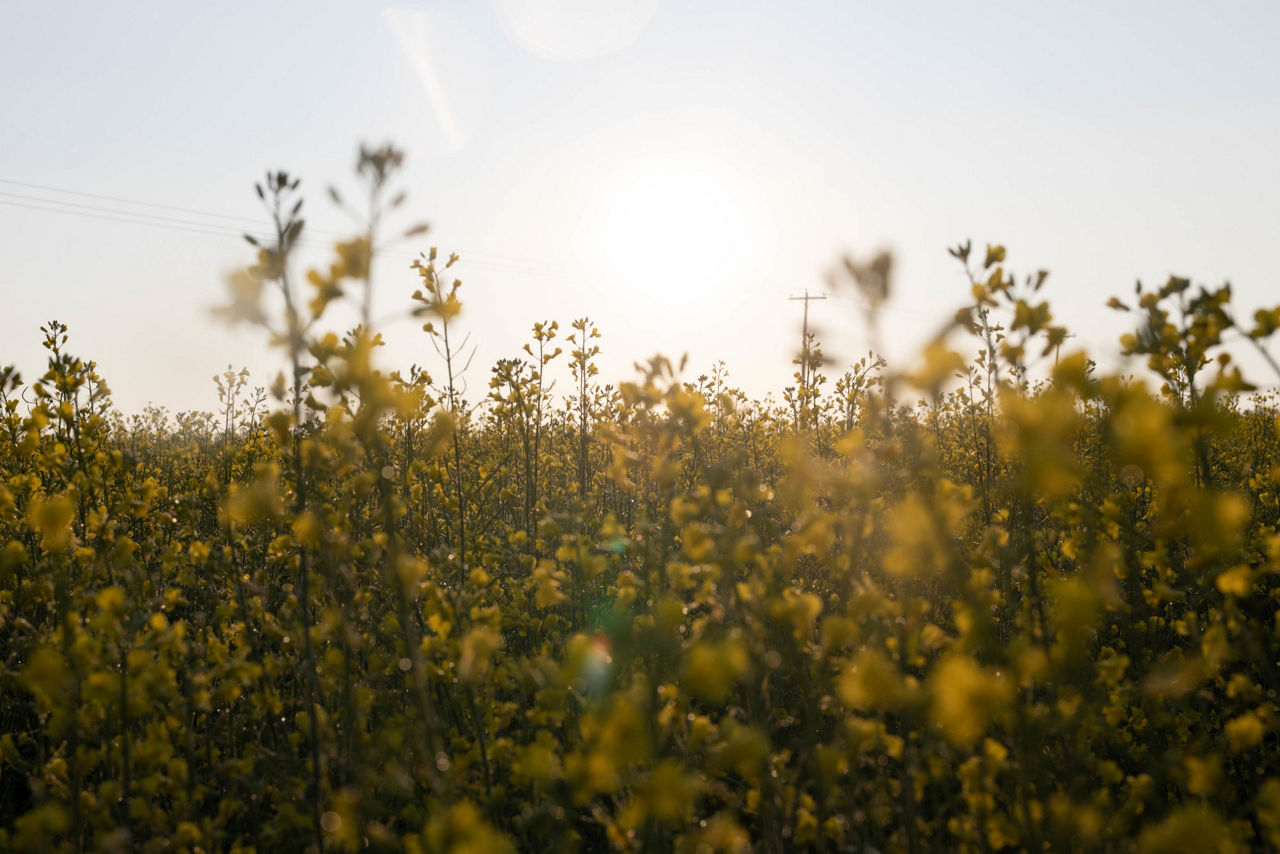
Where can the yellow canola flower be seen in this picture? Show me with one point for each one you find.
(710, 669)
(1244, 732)
(546, 581)
(47, 676)
(461, 829)
(920, 531)
(667, 794)
(964, 698)
(52, 517)
(1237, 581)
(1269, 810)
(872, 682)
(1189, 830)
(477, 649)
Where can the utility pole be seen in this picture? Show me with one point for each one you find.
(1058, 349)
(804, 335)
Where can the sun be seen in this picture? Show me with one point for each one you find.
(674, 234)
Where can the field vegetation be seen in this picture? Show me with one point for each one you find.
(999, 600)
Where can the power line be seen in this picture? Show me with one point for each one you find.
(218, 230)
(889, 308)
(493, 260)
(135, 214)
(106, 198)
(119, 219)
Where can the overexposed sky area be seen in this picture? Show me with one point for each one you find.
(674, 170)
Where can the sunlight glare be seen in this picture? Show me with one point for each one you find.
(668, 236)
(449, 64)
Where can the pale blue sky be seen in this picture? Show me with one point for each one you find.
(1103, 141)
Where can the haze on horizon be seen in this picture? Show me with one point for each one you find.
(674, 171)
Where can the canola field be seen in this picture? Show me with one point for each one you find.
(999, 600)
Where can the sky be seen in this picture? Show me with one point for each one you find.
(673, 170)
